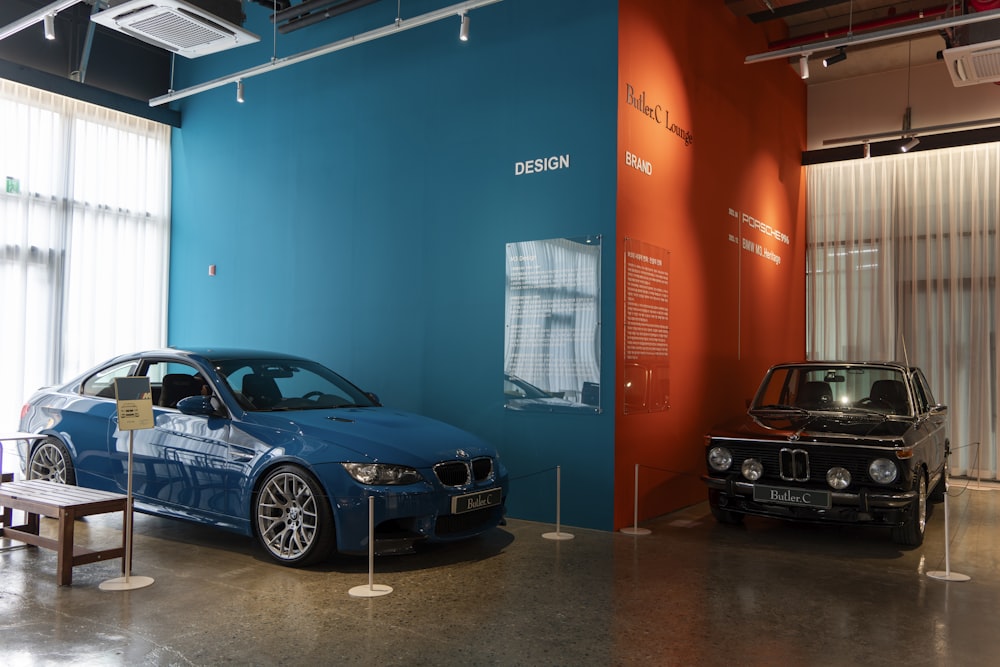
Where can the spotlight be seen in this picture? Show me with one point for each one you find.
(868, 150)
(49, 21)
(463, 34)
(910, 145)
(239, 91)
(835, 58)
(804, 65)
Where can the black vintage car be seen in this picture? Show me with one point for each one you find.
(833, 442)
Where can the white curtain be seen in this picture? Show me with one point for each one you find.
(84, 238)
(902, 261)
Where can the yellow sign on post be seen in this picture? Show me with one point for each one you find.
(135, 403)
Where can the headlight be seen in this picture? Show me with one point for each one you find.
(752, 469)
(838, 478)
(381, 473)
(720, 458)
(883, 471)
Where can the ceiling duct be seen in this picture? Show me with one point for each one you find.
(175, 25)
(974, 56)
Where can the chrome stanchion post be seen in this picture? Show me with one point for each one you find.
(371, 590)
(947, 575)
(558, 535)
(634, 529)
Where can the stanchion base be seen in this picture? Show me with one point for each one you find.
(370, 591)
(948, 576)
(126, 584)
(635, 530)
(558, 536)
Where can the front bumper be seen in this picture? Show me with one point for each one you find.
(866, 506)
(404, 516)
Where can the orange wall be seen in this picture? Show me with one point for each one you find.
(732, 312)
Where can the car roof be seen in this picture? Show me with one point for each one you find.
(220, 353)
(843, 364)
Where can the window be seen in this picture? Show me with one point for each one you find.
(84, 240)
(102, 383)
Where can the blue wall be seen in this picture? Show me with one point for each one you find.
(357, 208)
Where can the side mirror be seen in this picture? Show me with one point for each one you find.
(938, 409)
(372, 395)
(196, 405)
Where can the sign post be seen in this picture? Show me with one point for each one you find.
(135, 411)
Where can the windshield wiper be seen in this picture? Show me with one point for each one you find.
(777, 407)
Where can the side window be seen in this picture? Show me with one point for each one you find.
(102, 383)
(172, 380)
(923, 393)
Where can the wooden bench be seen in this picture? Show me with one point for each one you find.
(66, 503)
(6, 515)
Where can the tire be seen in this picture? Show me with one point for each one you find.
(911, 533)
(50, 460)
(292, 518)
(721, 514)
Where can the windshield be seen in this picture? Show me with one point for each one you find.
(845, 388)
(263, 385)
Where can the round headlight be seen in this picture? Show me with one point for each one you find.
(838, 478)
(883, 471)
(752, 469)
(720, 458)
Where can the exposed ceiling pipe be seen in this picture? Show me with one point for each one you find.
(301, 9)
(865, 25)
(35, 17)
(322, 15)
(877, 36)
(277, 63)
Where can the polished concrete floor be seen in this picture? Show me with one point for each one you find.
(690, 593)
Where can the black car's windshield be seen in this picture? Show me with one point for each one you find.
(852, 388)
(282, 384)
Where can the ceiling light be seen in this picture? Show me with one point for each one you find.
(278, 63)
(239, 91)
(463, 34)
(804, 65)
(835, 58)
(34, 17)
(868, 150)
(50, 26)
(910, 145)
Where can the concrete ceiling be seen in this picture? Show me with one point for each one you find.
(791, 23)
(136, 70)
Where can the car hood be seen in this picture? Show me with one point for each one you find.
(814, 426)
(374, 434)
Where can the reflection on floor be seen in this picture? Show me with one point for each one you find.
(690, 593)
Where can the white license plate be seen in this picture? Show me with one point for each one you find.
(476, 501)
(781, 495)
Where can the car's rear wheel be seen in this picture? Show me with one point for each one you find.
(51, 460)
(292, 517)
(911, 533)
(721, 514)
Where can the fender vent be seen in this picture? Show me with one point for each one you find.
(174, 25)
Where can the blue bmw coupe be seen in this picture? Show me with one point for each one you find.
(269, 445)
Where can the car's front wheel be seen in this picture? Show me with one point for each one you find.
(50, 460)
(292, 517)
(911, 533)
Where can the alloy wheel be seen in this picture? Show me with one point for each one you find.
(287, 516)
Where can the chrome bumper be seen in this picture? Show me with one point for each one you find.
(863, 501)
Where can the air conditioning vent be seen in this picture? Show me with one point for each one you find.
(174, 25)
(973, 64)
